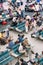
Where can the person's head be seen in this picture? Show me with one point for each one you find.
(9, 9)
(26, 39)
(36, 3)
(21, 60)
(22, 44)
(24, 18)
(32, 19)
(18, 35)
(36, 55)
(23, 36)
(9, 40)
(25, 42)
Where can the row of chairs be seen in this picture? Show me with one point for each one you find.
(7, 17)
(37, 35)
(40, 60)
(6, 57)
(20, 27)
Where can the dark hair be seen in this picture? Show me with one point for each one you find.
(22, 35)
(21, 60)
(34, 63)
(18, 34)
(9, 40)
(36, 55)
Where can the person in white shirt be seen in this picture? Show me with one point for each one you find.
(36, 7)
(14, 19)
(22, 50)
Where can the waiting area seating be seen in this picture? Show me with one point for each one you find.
(38, 34)
(5, 57)
(20, 27)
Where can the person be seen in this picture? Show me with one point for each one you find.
(34, 24)
(37, 57)
(10, 12)
(7, 32)
(17, 63)
(21, 49)
(4, 22)
(20, 38)
(10, 44)
(27, 17)
(36, 7)
(14, 23)
(26, 26)
(1, 35)
(32, 61)
(25, 42)
(33, 7)
(19, 12)
(23, 62)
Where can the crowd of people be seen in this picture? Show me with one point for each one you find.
(21, 61)
(30, 23)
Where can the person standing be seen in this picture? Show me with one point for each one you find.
(26, 26)
(36, 7)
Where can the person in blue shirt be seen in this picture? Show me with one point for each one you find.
(11, 44)
(20, 39)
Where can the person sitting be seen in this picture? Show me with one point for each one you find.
(22, 50)
(1, 35)
(14, 22)
(37, 56)
(20, 38)
(26, 43)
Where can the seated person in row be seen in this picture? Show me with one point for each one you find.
(22, 50)
(26, 43)
(2, 40)
(14, 22)
(10, 44)
(21, 62)
(20, 38)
